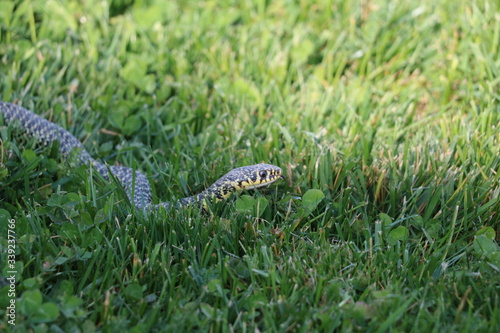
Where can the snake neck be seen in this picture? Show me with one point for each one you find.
(212, 194)
(201, 198)
(184, 202)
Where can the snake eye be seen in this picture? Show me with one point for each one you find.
(263, 174)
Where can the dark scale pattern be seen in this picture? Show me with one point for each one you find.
(136, 184)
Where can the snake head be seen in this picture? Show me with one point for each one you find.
(243, 178)
(254, 176)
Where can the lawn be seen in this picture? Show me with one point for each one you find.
(383, 115)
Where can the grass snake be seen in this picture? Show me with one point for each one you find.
(135, 183)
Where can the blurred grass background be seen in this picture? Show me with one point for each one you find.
(385, 113)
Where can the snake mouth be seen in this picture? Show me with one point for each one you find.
(251, 187)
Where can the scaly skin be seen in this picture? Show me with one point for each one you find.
(136, 184)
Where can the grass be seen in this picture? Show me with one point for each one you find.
(384, 116)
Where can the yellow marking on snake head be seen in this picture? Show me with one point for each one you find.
(243, 178)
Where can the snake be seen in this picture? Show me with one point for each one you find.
(134, 182)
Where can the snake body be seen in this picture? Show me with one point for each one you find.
(135, 183)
